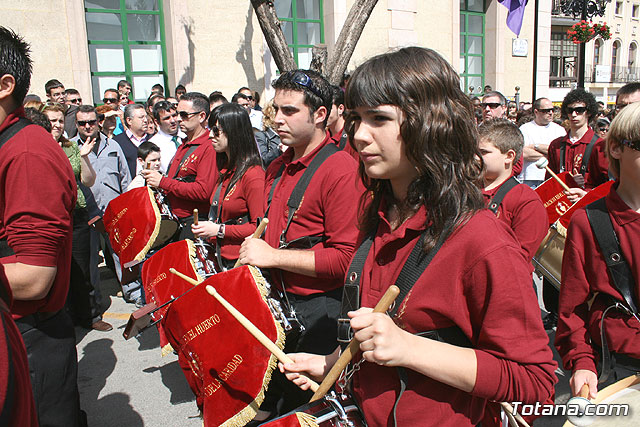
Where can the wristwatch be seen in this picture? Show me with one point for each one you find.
(220, 234)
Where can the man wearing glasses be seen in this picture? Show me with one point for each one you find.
(494, 106)
(111, 98)
(169, 136)
(538, 133)
(73, 101)
(254, 114)
(193, 172)
(580, 152)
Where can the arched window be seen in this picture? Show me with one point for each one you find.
(615, 52)
(633, 47)
(597, 52)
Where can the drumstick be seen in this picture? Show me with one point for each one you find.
(387, 299)
(584, 391)
(253, 330)
(508, 409)
(543, 163)
(195, 217)
(256, 235)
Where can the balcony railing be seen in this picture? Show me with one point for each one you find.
(618, 74)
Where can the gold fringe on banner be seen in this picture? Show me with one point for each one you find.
(156, 227)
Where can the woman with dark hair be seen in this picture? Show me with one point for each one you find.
(238, 200)
(424, 227)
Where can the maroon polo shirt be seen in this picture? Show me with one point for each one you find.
(574, 153)
(478, 281)
(598, 166)
(246, 197)
(37, 197)
(523, 211)
(584, 273)
(184, 197)
(327, 209)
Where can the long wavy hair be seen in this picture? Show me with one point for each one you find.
(438, 131)
(234, 121)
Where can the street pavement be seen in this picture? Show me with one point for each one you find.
(127, 383)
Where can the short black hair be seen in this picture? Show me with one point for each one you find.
(158, 86)
(71, 91)
(85, 108)
(245, 88)
(123, 83)
(316, 95)
(15, 60)
(147, 148)
(236, 96)
(180, 87)
(52, 84)
(628, 89)
(338, 96)
(112, 90)
(199, 100)
(162, 106)
(37, 118)
(580, 95)
(217, 96)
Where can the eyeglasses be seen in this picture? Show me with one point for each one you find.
(603, 129)
(83, 123)
(75, 100)
(577, 110)
(249, 97)
(184, 115)
(634, 145)
(545, 110)
(109, 100)
(492, 105)
(619, 107)
(303, 80)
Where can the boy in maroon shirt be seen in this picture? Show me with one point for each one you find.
(587, 289)
(520, 207)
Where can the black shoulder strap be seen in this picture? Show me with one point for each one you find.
(497, 199)
(12, 130)
(343, 141)
(587, 153)
(214, 211)
(273, 187)
(184, 159)
(301, 186)
(563, 154)
(621, 275)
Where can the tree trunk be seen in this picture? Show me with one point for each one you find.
(347, 40)
(272, 31)
(318, 58)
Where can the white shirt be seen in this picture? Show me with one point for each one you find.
(536, 134)
(167, 147)
(256, 119)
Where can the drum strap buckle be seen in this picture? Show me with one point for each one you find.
(337, 406)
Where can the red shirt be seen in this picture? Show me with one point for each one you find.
(598, 166)
(184, 197)
(517, 166)
(37, 197)
(574, 153)
(523, 211)
(480, 282)
(328, 208)
(584, 273)
(347, 147)
(246, 197)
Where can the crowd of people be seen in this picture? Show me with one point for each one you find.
(399, 177)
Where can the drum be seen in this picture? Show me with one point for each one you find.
(169, 223)
(548, 259)
(624, 392)
(330, 411)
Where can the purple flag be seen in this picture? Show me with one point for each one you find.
(516, 13)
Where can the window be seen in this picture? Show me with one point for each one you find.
(632, 55)
(472, 26)
(615, 51)
(634, 11)
(126, 41)
(618, 8)
(303, 27)
(564, 59)
(597, 52)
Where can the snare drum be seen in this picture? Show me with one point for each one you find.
(330, 411)
(548, 260)
(624, 392)
(169, 223)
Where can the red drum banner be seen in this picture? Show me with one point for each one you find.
(226, 367)
(593, 195)
(552, 195)
(132, 221)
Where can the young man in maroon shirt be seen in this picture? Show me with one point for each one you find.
(192, 173)
(37, 197)
(311, 276)
(587, 289)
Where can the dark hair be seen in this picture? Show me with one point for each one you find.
(337, 98)
(86, 109)
(237, 96)
(495, 93)
(256, 97)
(245, 88)
(319, 96)
(52, 84)
(438, 131)
(112, 90)
(37, 118)
(147, 148)
(158, 86)
(72, 91)
(123, 83)
(628, 89)
(217, 97)
(152, 98)
(580, 95)
(234, 121)
(200, 101)
(31, 97)
(180, 87)
(162, 106)
(537, 103)
(15, 61)
(504, 134)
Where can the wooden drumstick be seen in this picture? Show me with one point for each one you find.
(195, 217)
(543, 163)
(385, 302)
(508, 409)
(256, 235)
(253, 330)
(584, 391)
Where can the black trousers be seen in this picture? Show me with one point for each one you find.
(83, 300)
(319, 314)
(53, 367)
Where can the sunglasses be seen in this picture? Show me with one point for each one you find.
(492, 105)
(249, 97)
(619, 107)
(603, 129)
(545, 110)
(75, 100)
(577, 110)
(184, 115)
(303, 80)
(109, 100)
(634, 145)
(83, 123)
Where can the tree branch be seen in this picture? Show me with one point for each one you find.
(270, 25)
